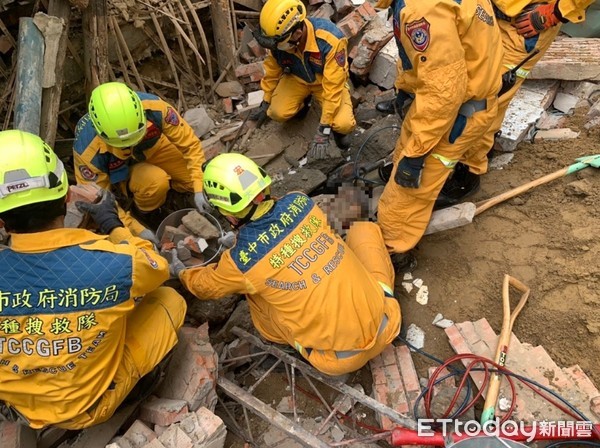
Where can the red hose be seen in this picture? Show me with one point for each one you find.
(404, 436)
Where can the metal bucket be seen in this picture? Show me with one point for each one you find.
(174, 220)
(487, 442)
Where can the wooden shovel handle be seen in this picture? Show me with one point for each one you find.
(484, 205)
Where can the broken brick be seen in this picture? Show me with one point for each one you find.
(204, 427)
(343, 7)
(256, 49)
(139, 434)
(174, 437)
(325, 11)
(84, 192)
(228, 105)
(250, 72)
(354, 22)
(192, 372)
(199, 225)
(163, 411)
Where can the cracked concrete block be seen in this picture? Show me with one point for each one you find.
(199, 120)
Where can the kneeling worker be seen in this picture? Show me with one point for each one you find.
(307, 57)
(331, 300)
(74, 341)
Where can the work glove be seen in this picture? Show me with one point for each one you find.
(537, 18)
(176, 265)
(202, 204)
(320, 143)
(259, 115)
(103, 213)
(227, 240)
(409, 171)
(149, 235)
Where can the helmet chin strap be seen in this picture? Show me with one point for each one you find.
(236, 223)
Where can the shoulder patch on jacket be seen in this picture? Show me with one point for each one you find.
(340, 58)
(87, 173)
(172, 117)
(418, 33)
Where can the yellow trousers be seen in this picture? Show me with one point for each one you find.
(149, 181)
(151, 333)
(366, 241)
(288, 98)
(515, 50)
(403, 213)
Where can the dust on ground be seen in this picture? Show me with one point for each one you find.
(547, 238)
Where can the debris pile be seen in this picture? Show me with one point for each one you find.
(192, 235)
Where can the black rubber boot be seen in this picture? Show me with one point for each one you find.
(150, 219)
(386, 107)
(301, 114)
(462, 184)
(341, 140)
(405, 262)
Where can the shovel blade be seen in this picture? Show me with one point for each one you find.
(449, 218)
(593, 161)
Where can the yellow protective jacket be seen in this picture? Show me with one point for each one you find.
(324, 61)
(95, 161)
(299, 277)
(450, 53)
(572, 10)
(64, 299)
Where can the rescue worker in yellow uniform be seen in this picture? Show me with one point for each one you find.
(73, 342)
(451, 62)
(526, 27)
(138, 144)
(307, 57)
(331, 300)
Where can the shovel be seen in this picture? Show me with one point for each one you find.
(463, 214)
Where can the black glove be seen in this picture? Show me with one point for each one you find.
(320, 143)
(259, 115)
(408, 174)
(104, 213)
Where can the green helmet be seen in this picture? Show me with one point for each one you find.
(232, 181)
(117, 114)
(30, 172)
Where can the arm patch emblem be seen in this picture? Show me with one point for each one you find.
(172, 117)
(340, 58)
(418, 33)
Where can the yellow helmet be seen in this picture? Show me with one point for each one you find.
(279, 17)
(30, 172)
(232, 181)
(117, 114)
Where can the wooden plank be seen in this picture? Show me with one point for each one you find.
(220, 13)
(51, 95)
(28, 94)
(199, 61)
(169, 56)
(573, 59)
(270, 415)
(204, 44)
(123, 43)
(95, 45)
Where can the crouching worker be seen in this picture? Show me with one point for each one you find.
(74, 341)
(331, 300)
